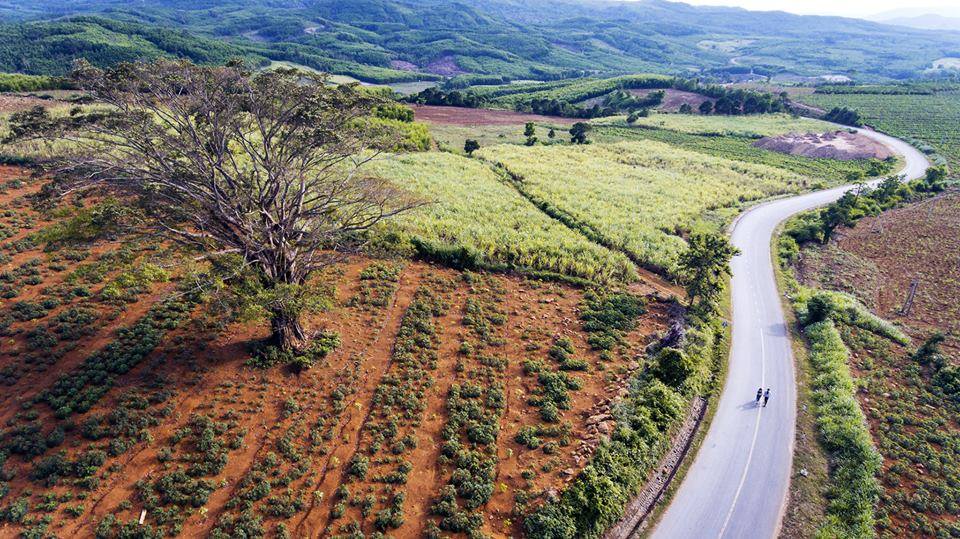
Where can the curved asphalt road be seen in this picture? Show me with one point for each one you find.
(737, 486)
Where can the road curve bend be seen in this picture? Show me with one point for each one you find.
(738, 483)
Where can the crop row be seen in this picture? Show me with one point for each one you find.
(474, 406)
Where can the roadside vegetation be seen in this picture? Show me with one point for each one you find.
(883, 393)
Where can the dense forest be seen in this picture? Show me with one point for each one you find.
(396, 40)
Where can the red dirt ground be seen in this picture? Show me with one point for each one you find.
(674, 98)
(17, 102)
(201, 364)
(835, 145)
(881, 256)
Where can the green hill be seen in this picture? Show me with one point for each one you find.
(393, 40)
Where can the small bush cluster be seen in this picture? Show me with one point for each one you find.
(562, 352)
(553, 394)
(378, 283)
(608, 316)
(78, 391)
(265, 356)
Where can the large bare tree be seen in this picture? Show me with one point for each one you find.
(267, 166)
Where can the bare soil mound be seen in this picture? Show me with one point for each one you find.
(841, 145)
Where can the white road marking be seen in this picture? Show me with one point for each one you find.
(753, 443)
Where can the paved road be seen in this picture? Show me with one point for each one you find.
(737, 486)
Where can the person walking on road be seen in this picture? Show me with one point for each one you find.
(766, 397)
(759, 394)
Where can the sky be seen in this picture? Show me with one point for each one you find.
(847, 8)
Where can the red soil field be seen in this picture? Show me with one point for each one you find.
(266, 447)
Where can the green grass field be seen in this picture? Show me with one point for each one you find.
(758, 125)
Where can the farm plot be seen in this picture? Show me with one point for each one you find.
(933, 120)
(741, 148)
(908, 393)
(473, 208)
(451, 400)
(754, 126)
(639, 197)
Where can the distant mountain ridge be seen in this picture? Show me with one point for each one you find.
(392, 40)
(929, 21)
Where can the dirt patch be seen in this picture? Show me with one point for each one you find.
(402, 65)
(841, 145)
(674, 99)
(445, 65)
(466, 117)
(17, 102)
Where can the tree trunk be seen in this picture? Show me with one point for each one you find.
(288, 334)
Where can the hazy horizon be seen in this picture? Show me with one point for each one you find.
(850, 8)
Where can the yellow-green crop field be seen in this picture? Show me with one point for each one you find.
(640, 196)
(472, 207)
(746, 125)
(589, 211)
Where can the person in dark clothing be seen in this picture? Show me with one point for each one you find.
(766, 397)
(759, 394)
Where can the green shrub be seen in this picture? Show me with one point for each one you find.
(854, 489)
(267, 356)
(607, 316)
(358, 466)
(673, 367)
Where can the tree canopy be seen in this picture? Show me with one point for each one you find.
(264, 167)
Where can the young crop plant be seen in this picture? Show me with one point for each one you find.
(398, 404)
(608, 316)
(474, 406)
(378, 283)
(79, 390)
